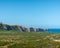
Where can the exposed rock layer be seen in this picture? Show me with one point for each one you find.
(20, 28)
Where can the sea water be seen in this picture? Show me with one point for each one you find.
(54, 30)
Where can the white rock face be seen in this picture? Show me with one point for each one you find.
(19, 28)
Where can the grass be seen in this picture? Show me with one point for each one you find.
(15, 39)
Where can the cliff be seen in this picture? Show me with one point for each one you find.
(19, 28)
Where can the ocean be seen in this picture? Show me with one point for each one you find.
(54, 30)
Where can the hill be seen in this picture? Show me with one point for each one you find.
(13, 39)
(20, 28)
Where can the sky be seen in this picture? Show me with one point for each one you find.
(31, 13)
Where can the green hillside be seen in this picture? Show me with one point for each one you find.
(15, 39)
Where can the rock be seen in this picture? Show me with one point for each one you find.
(20, 28)
(32, 29)
(39, 30)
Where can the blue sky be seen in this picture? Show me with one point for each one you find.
(31, 13)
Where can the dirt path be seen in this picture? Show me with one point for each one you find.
(56, 40)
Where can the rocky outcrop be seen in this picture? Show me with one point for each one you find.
(19, 28)
(32, 29)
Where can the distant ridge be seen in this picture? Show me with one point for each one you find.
(20, 28)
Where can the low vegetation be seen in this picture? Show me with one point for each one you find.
(15, 39)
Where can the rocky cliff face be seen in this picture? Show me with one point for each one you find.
(19, 28)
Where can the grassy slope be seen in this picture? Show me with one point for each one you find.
(13, 39)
